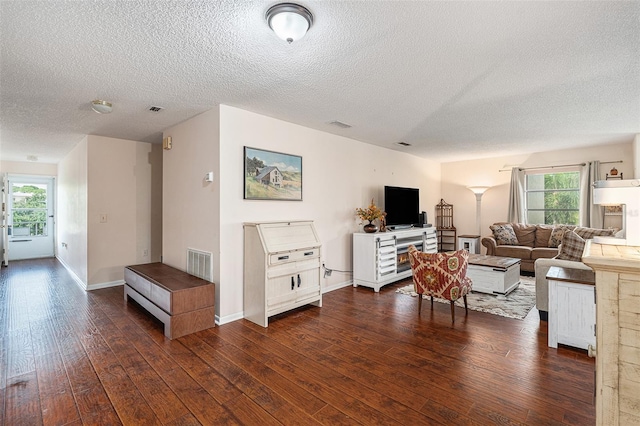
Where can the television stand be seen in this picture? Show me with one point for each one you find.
(398, 227)
(382, 257)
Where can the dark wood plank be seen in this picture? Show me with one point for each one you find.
(201, 404)
(22, 405)
(74, 357)
(56, 395)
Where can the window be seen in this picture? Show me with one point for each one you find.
(29, 209)
(553, 198)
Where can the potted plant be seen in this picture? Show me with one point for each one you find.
(370, 214)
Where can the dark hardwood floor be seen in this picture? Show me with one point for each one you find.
(72, 357)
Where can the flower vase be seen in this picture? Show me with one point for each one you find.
(370, 228)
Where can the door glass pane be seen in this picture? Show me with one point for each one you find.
(29, 209)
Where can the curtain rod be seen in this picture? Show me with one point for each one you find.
(563, 165)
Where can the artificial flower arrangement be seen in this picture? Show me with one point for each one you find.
(371, 213)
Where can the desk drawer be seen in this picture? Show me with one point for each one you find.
(278, 258)
(293, 268)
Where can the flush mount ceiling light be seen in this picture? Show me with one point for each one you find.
(289, 21)
(101, 107)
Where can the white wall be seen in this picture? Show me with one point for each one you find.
(29, 168)
(71, 217)
(113, 177)
(636, 156)
(456, 176)
(339, 174)
(191, 206)
(119, 186)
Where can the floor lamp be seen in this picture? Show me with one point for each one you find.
(478, 190)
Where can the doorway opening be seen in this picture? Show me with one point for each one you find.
(30, 221)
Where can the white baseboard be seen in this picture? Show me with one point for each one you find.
(105, 285)
(83, 285)
(240, 315)
(76, 278)
(334, 287)
(229, 318)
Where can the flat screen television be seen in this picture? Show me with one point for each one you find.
(402, 206)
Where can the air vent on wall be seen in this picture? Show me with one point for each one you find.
(199, 264)
(403, 144)
(340, 124)
(155, 108)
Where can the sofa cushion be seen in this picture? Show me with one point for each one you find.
(520, 252)
(572, 247)
(543, 253)
(504, 234)
(557, 233)
(525, 234)
(588, 233)
(543, 234)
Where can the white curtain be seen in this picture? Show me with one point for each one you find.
(591, 215)
(516, 211)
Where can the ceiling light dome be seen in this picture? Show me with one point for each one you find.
(101, 107)
(289, 21)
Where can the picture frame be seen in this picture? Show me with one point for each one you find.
(271, 175)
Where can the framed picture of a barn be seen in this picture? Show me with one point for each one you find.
(270, 175)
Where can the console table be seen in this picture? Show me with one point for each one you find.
(183, 302)
(572, 307)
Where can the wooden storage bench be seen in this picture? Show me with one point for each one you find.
(184, 303)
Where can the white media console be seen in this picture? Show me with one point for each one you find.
(381, 258)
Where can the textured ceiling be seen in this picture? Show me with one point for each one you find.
(457, 80)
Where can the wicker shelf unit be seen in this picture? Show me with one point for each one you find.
(445, 230)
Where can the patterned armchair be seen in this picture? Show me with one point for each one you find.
(441, 275)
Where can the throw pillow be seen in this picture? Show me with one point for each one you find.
(504, 234)
(572, 247)
(555, 239)
(589, 233)
(543, 234)
(525, 234)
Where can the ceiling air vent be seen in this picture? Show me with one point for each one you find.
(403, 143)
(340, 124)
(155, 108)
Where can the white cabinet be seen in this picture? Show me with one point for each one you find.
(281, 268)
(381, 258)
(572, 307)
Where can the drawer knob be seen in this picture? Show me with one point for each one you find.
(283, 257)
(293, 285)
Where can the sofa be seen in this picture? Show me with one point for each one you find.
(539, 247)
(525, 242)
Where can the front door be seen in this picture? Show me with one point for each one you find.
(30, 217)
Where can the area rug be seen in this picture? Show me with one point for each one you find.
(516, 304)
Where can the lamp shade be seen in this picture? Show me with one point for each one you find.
(478, 189)
(289, 21)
